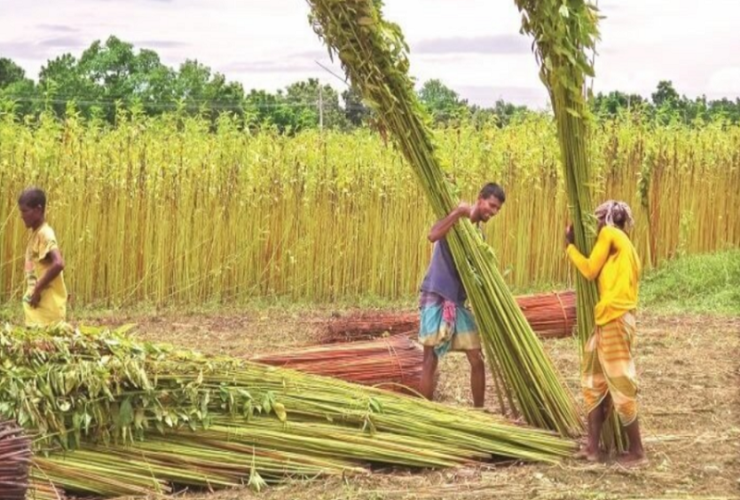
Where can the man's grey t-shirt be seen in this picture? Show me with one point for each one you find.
(442, 277)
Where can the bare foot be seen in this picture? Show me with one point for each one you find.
(632, 460)
(587, 454)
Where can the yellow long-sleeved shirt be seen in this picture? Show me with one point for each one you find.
(615, 263)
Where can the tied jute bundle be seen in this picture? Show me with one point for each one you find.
(15, 459)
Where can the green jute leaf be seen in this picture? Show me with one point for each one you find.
(279, 409)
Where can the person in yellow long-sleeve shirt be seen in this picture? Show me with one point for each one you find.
(608, 372)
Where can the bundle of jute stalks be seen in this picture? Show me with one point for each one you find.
(564, 34)
(551, 315)
(374, 56)
(15, 460)
(392, 363)
(114, 416)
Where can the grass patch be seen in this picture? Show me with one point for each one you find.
(704, 284)
(707, 284)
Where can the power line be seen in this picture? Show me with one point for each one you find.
(343, 80)
(173, 106)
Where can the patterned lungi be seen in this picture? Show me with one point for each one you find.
(609, 368)
(446, 326)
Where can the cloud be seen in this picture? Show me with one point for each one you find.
(160, 44)
(40, 50)
(496, 44)
(62, 42)
(60, 28)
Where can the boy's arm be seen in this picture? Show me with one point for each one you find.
(591, 267)
(56, 267)
(443, 226)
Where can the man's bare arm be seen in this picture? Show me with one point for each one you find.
(443, 226)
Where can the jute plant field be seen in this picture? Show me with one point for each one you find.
(164, 210)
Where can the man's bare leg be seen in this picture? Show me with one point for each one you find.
(477, 377)
(636, 453)
(595, 423)
(428, 372)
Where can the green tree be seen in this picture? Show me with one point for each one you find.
(443, 103)
(265, 109)
(611, 104)
(115, 72)
(16, 90)
(505, 112)
(61, 80)
(665, 94)
(10, 72)
(725, 109)
(670, 106)
(314, 103)
(199, 89)
(355, 111)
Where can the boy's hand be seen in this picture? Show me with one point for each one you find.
(34, 299)
(570, 236)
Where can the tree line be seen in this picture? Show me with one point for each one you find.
(114, 74)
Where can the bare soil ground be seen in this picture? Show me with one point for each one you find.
(689, 411)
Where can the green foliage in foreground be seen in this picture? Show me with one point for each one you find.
(114, 416)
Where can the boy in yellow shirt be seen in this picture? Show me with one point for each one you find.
(608, 371)
(45, 300)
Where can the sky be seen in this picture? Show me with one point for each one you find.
(473, 46)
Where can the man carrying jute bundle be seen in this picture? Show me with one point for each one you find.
(608, 373)
(445, 323)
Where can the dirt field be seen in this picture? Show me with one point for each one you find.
(690, 413)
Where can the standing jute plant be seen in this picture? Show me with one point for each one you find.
(563, 31)
(373, 54)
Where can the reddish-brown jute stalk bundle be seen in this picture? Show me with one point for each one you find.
(392, 363)
(369, 325)
(15, 458)
(551, 315)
